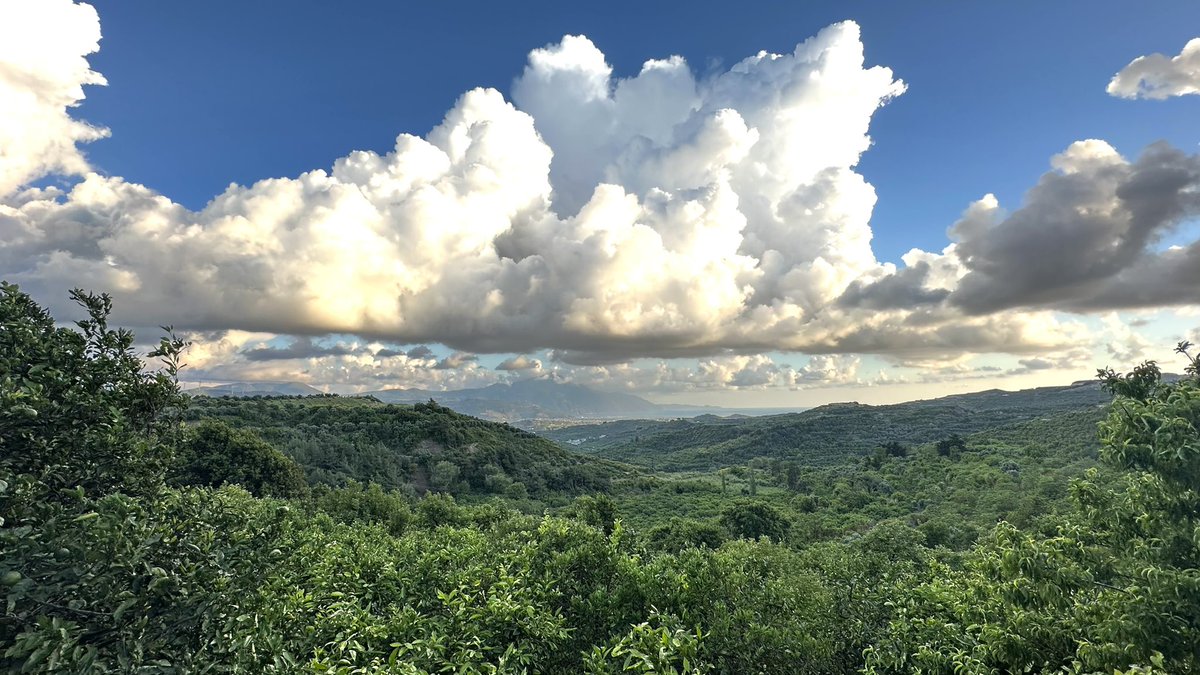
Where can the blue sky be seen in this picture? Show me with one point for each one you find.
(202, 94)
(765, 292)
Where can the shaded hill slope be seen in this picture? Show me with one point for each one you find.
(412, 448)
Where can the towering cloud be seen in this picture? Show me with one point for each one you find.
(43, 67)
(649, 215)
(1158, 76)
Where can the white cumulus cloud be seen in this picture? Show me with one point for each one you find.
(1158, 76)
(43, 68)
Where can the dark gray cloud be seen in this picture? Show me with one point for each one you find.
(1068, 360)
(455, 361)
(300, 348)
(1171, 277)
(903, 290)
(419, 352)
(1084, 239)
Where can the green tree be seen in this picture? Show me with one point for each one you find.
(751, 520)
(444, 476)
(78, 409)
(358, 503)
(793, 476)
(517, 491)
(1113, 588)
(213, 454)
(951, 446)
(678, 534)
(599, 511)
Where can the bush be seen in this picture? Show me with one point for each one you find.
(682, 533)
(365, 504)
(213, 454)
(751, 520)
(77, 407)
(1112, 588)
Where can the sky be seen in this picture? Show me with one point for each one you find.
(780, 204)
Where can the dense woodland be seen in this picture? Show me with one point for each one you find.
(414, 449)
(141, 531)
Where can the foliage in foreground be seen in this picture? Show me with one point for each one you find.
(1116, 585)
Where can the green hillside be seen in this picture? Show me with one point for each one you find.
(412, 448)
(1016, 472)
(823, 436)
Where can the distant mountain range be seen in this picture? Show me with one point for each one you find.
(525, 400)
(255, 389)
(538, 404)
(545, 399)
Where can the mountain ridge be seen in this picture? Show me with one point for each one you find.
(821, 435)
(255, 389)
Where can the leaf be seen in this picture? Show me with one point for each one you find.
(122, 608)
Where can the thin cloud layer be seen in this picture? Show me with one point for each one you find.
(357, 366)
(1158, 76)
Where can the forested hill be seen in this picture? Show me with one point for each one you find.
(1028, 403)
(826, 435)
(412, 448)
